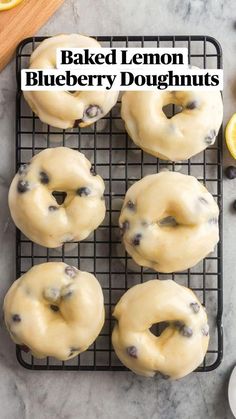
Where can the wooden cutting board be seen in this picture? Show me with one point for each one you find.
(21, 22)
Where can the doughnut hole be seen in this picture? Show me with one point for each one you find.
(171, 109)
(157, 328)
(60, 197)
(168, 221)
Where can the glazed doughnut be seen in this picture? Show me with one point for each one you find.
(34, 208)
(63, 109)
(182, 345)
(55, 310)
(180, 137)
(169, 222)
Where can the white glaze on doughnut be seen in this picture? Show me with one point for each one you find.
(32, 211)
(178, 350)
(60, 108)
(180, 137)
(192, 233)
(62, 334)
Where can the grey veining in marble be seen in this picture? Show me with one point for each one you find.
(48, 395)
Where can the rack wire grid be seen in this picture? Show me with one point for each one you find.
(120, 163)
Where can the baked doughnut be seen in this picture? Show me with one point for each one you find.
(34, 208)
(64, 109)
(169, 222)
(182, 345)
(55, 310)
(180, 137)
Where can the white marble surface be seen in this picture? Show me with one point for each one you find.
(48, 395)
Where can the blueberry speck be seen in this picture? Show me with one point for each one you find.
(205, 330)
(230, 172)
(132, 351)
(44, 179)
(210, 137)
(22, 186)
(83, 191)
(53, 208)
(186, 331)
(54, 308)
(183, 329)
(234, 205)
(71, 271)
(16, 318)
(136, 239)
(124, 227)
(92, 111)
(130, 205)
(195, 307)
(22, 169)
(92, 171)
(191, 105)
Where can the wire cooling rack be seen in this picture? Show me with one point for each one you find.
(120, 163)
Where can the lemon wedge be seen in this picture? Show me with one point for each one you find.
(230, 135)
(8, 4)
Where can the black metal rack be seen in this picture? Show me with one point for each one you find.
(120, 163)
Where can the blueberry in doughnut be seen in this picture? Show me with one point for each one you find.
(54, 310)
(178, 138)
(169, 222)
(33, 201)
(183, 343)
(63, 109)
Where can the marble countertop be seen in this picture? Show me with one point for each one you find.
(71, 395)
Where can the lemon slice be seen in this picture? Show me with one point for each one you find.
(230, 135)
(8, 4)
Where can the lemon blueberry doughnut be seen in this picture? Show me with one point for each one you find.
(64, 109)
(169, 222)
(182, 345)
(34, 208)
(55, 310)
(180, 137)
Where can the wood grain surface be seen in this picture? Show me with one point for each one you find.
(21, 22)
